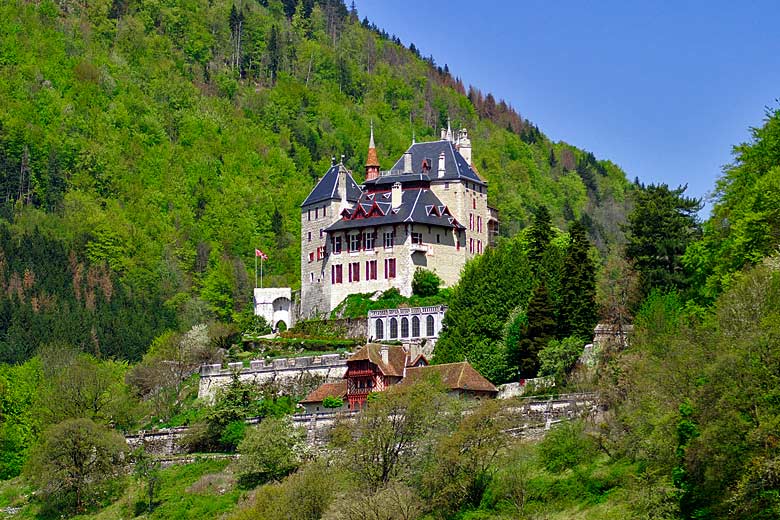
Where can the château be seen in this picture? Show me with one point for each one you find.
(430, 210)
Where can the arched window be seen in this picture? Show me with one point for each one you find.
(429, 326)
(393, 328)
(380, 329)
(415, 327)
(404, 327)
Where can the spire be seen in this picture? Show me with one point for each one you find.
(372, 161)
(449, 130)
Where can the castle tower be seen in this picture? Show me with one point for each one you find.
(372, 161)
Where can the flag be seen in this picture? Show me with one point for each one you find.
(261, 254)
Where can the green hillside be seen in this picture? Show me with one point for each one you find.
(147, 147)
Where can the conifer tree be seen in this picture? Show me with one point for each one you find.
(578, 313)
(274, 53)
(540, 237)
(541, 328)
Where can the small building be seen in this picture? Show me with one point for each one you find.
(376, 367)
(312, 403)
(406, 323)
(460, 379)
(275, 305)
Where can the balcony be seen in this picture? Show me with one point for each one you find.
(420, 248)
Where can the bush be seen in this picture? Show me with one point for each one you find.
(333, 402)
(270, 451)
(558, 358)
(425, 282)
(565, 447)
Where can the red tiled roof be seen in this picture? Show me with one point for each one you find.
(397, 358)
(338, 389)
(454, 376)
(372, 159)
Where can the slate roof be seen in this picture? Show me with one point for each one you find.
(418, 206)
(454, 376)
(397, 358)
(338, 389)
(456, 167)
(327, 187)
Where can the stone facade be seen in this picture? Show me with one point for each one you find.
(275, 305)
(430, 211)
(328, 367)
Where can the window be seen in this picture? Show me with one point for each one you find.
(368, 241)
(322, 232)
(309, 236)
(415, 327)
(479, 224)
(354, 243)
(446, 185)
(336, 274)
(479, 246)
(438, 238)
(390, 268)
(311, 277)
(308, 214)
(473, 203)
(311, 256)
(471, 222)
(471, 245)
(429, 326)
(354, 272)
(389, 239)
(320, 252)
(316, 213)
(393, 328)
(404, 327)
(371, 270)
(380, 329)
(335, 245)
(417, 238)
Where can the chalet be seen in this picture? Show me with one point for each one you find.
(376, 367)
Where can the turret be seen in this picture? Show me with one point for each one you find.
(372, 161)
(463, 144)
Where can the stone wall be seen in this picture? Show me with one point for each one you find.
(328, 367)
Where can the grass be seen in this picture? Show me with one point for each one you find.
(202, 489)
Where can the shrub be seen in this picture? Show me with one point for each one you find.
(425, 282)
(565, 447)
(270, 451)
(559, 357)
(333, 402)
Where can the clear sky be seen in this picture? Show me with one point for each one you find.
(664, 89)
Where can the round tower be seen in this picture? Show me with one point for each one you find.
(372, 161)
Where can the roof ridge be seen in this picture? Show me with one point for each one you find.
(411, 213)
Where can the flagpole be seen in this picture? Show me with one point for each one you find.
(255, 270)
(261, 272)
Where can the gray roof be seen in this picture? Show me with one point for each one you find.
(327, 187)
(455, 166)
(418, 206)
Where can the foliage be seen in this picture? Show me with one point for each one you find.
(74, 462)
(558, 358)
(358, 305)
(147, 469)
(566, 446)
(425, 283)
(745, 219)
(20, 425)
(333, 402)
(539, 329)
(578, 313)
(660, 227)
(270, 451)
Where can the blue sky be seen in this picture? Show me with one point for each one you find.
(663, 89)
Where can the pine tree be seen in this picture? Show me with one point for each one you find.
(540, 236)
(274, 53)
(541, 328)
(578, 314)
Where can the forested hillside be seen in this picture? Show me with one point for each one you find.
(147, 146)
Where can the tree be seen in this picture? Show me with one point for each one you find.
(75, 459)
(425, 282)
(541, 328)
(274, 53)
(270, 451)
(147, 469)
(333, 402)
(578, 311)
(540, 235)
(661, 226)
(558, 358)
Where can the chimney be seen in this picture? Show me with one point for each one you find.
(443, 134)
(384, 351)
(342, 187)
(395, 195)
(408, 162)
(442, 169)
(448, 135)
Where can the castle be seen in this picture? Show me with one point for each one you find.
(429, 210)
